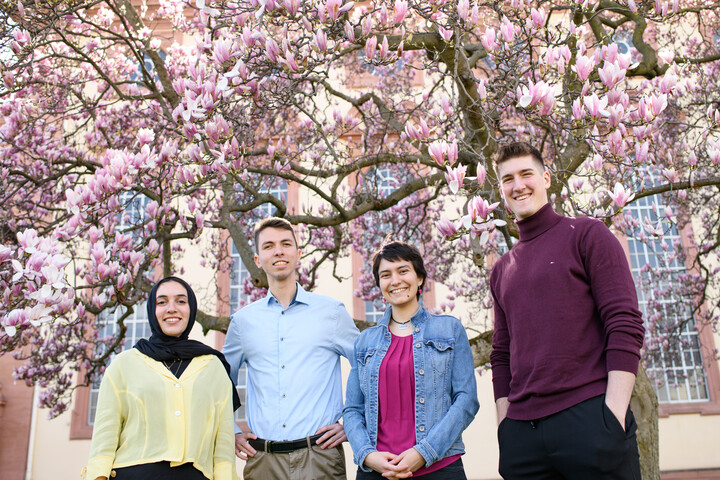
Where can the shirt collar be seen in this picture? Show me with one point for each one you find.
(301, 296)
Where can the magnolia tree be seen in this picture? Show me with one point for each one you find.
(131, 129)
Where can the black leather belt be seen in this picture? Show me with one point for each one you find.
(270, 446)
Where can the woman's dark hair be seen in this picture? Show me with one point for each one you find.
(395, 251)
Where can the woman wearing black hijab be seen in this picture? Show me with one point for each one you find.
(165, 408)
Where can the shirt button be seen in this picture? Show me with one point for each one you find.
(282, 338)
(417, 329)
(422, 400)
(283, 425)
(282, 313)
(282, 366)
(283, 395)
(421, 428)
(417, 345)
(177, 385)
(177, 413)
(421, 371)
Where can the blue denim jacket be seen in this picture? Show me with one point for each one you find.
(445, 388)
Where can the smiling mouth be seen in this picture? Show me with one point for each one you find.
(398, 290)
(280, 263)
(522, 197)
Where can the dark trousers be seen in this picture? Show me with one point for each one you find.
(583, 442)
(454, 471)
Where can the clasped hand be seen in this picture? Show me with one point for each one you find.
(394, 466)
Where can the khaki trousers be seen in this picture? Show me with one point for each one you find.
(305, 464)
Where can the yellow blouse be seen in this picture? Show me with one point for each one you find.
(146, 415)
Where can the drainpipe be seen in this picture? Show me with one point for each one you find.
(31, 439)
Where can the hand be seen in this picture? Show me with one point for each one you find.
(619, 411)
(618, 393)
(410, 459)
(501, 405)
(381, 462)
(242, 447)
(333, 435)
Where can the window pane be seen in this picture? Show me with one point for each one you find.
(677, 365)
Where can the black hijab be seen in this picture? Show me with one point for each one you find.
(163, 347)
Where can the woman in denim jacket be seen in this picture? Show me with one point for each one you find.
(412, 389)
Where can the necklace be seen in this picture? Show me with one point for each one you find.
(401, 325)
(172, 364)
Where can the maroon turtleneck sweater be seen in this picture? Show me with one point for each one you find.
(566, 314)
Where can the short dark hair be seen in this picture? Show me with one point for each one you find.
(394, 251)
(517, 149)
(273, 222)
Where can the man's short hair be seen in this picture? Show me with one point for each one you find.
(272, 222)
(395, 251)
(517, 149)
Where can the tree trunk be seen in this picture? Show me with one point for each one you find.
(644, 405)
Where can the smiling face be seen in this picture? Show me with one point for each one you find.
(277, 254)
(524, 185)
(399, 282)
(172, 308)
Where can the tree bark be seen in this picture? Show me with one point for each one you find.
(644, 404)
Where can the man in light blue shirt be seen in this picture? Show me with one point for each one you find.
(291, 341)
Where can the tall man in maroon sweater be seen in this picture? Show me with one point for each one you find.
(567, 338)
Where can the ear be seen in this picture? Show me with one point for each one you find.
(547, 179)
(257, 261)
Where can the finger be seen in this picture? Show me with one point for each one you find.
(244, 446)
(324, 429)
(321, 442)
(333, 442)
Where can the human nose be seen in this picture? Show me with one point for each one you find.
(518, 184)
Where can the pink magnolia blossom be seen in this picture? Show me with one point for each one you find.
(446, 227)
(463, 8)
(671, 174)
(577, 109)
(489, 40)
(480, 209)
(370, 47)
(507, 30)
(596, 106)
(584, 67)
(658, 103)
(620, 196)
(401, 7)
(610, 74)
(335, 8)
(383, 15)
(384, 49)
(537, 17)
(437, 151)
(349, 31)
(412, 132)
(455, 177)
(481, 174)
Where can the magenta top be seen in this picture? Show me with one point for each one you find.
(396, 402)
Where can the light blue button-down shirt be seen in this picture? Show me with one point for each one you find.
(293, 362)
